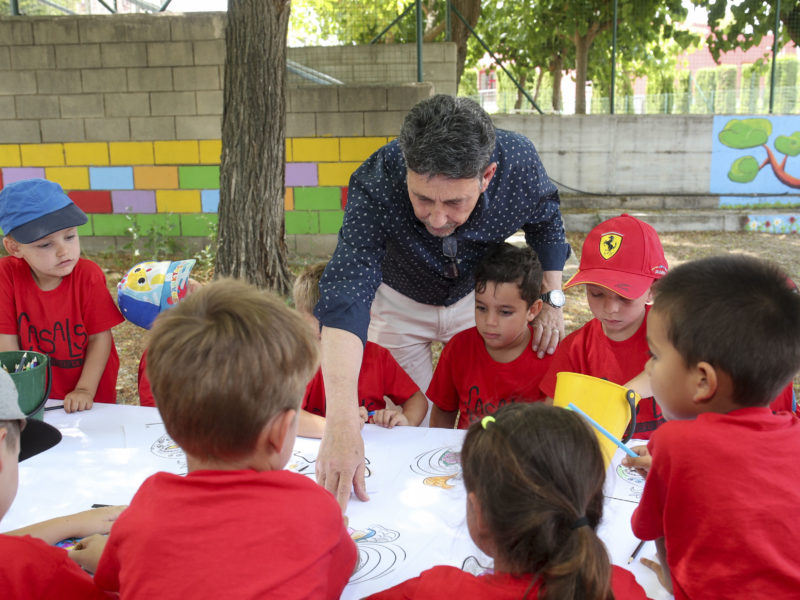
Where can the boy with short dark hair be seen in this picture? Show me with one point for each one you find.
(493, 364)
(52, 300)
(620, 260)
(31, 566)
(228, 366)
(722, 492)
(380, 376)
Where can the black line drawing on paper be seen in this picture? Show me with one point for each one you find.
(303, 463)
(440, 465)
(378, 554)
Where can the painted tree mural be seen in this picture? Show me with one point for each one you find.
(752, 133)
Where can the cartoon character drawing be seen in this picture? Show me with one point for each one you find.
(441, 466)
(165, 447)
(378, 555)
(633, 479)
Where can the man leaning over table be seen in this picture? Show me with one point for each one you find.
(419, 216)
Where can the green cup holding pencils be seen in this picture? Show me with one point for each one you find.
(612, 406)
(31, 373)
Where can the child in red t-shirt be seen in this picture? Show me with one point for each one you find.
(32, 567)
(534, 478)
(228, 366)
(723, 481)
(146, 289)
(380, 376)
(52, 300)
(493, 364)
(620, 260)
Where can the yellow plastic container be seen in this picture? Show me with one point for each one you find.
(612, 406)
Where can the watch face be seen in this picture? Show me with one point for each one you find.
(555, 298)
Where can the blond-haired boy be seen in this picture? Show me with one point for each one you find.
(228, 365)
(380, 376)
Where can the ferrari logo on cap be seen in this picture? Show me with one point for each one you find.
(610, 244)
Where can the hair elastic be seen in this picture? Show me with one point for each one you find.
(486, 420)
(580, 522)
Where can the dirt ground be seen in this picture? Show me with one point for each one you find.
(679, 247)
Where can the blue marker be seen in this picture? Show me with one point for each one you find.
(371, 413)
(603, 430)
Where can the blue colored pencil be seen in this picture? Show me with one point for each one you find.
(603, 430)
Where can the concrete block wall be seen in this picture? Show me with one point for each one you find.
(622, 154)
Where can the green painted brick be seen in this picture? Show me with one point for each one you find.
(330, 221)
(301, 221)
(86, 230)
(317, 198)
(198, 225)
(165, 224)
(198, 178)
(110, 224)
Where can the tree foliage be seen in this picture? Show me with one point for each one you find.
(358, 22)
(744, 23)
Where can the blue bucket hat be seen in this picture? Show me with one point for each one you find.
(34, 208)
(150, 287)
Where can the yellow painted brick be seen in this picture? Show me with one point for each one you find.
(42, 155)
(315, 149)
(155, 178)
(359, 148)
(336, 173)
(70, 178)
(131, 153)
(87, 155)
(178, 201)
(288, 199)
(9, 155)
(210, 152)
(185, 152)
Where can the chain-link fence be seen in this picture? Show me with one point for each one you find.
(656, 56)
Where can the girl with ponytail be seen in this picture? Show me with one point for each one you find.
(534, 477)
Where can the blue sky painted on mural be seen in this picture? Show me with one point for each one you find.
(722, 157)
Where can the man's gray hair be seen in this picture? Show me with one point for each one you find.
(447, 135)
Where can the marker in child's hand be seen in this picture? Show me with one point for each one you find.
(603, 430)
(371, 413)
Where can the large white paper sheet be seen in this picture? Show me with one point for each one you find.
(415, 518)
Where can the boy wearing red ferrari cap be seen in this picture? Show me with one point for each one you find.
(620, 260)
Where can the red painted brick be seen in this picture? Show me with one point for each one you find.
(344, 197)
(92, 201)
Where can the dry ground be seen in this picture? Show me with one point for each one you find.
(679, 247)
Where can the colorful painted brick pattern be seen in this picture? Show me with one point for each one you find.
(178, 181)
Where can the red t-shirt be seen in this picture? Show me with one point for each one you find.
(723, 492)
(468, 379)
(380, 376)
(33, 570)
(223, 534)
(590, 351)
(59, 322)
(452, 582)
(145, 393)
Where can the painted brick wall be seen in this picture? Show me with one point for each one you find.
(124, 112)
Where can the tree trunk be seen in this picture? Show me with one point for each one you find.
(251, 221)
(539, 78)
(471, 11)
(520, 96)
(556, 68)
(582, 45)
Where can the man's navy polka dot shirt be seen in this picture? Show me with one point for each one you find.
(382, 240)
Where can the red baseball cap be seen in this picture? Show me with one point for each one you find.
(622, 254)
